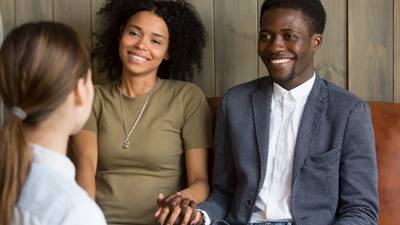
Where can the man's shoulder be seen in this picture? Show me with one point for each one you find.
(340, 99)
(339, 92)
(250, 86)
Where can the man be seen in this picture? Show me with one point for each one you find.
(292, 148)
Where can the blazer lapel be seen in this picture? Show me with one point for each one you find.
(313, 110)
(261, 103)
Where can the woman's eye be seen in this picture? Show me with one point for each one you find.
(133, 33)
(157, 42)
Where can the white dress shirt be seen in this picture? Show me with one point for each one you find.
(274, 200)
(51, 196)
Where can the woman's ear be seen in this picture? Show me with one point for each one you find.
(121, 30)
(79, 92)
(166, 56)
(83, 92)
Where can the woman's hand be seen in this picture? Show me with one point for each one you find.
(176, 209)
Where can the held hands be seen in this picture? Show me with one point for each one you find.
(176, 209)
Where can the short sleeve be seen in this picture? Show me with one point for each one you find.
(197, 123)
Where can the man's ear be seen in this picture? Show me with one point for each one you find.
(316, 41)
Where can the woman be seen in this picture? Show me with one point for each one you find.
(148, 133)
(46, 86)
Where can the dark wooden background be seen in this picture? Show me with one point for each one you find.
(361, 49)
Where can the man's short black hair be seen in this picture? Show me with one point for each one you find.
(312, 8)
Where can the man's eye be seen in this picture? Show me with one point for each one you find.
(265, 37)
(290, 37)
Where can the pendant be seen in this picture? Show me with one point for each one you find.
(125, 145)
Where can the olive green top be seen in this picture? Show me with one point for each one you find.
(128, 181)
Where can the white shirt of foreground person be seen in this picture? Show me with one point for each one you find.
(51, 196)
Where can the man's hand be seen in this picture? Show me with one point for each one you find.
(175, 209)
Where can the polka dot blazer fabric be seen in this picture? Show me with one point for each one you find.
(334, 170)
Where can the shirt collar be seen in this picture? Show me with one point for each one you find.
(296, 93)
(56, 161)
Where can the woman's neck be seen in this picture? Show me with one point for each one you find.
(137, 86)
(49, 136)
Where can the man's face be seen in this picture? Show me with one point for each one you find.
(286, 46)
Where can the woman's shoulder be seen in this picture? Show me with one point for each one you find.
(182, 87)
(104, 89)
(104, 93)
(46, 193)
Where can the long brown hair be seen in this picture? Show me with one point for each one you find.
(40, 64)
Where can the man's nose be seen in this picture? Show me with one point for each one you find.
(277, 44)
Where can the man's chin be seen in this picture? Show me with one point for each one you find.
(282, 78)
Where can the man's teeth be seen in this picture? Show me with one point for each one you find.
(279, 61)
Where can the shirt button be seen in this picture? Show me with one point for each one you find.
(248, 203)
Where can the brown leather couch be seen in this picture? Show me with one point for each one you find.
(386, 122)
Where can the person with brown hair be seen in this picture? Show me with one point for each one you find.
(46, 86)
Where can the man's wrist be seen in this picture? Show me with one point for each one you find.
(204, 217)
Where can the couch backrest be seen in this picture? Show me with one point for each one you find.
(386, 122)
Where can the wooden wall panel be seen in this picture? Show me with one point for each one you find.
(371, 49)
(206, 77)
(236, 59)
(7, 9)
(361, 47)
(396, 50)
(95, 24)
(95, 7)
(331, 58)
(262, 70)
(33, 10)
(75, 13)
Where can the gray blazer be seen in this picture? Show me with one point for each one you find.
(334, 170)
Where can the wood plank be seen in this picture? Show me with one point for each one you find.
(262, 70)
(371, 49)
(1, 112)
(7, 8)
(75, 13)
(331, 58)
(7, 22)
(236, 59)
(33, 10)
(397, 50)
(206, 78)
(95, 24)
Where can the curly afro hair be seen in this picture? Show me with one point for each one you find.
(186, 36)
(312, 8)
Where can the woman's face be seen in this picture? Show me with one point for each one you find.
(143, 44)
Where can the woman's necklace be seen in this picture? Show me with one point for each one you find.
(126, 142)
